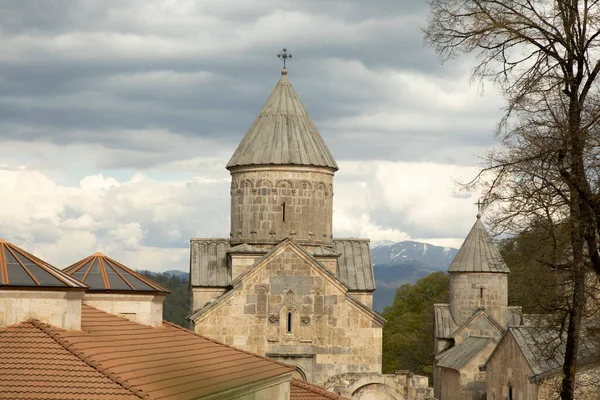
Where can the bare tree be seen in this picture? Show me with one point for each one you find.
(544, 56)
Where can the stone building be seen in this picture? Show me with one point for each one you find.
(94, 331)
(527, 365)
(468, 329)
(485, 349)
(281, 285)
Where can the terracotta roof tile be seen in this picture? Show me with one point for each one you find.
(306, 391)
(167, 362)
(34, 365)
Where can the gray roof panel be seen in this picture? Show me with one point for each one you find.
(283, 133)
(478, 253)
(459, 356)
(355, 268)
(444, 323)
(208, 262)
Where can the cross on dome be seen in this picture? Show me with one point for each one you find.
(284, 55)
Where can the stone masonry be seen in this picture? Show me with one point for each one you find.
(330, 334)
(269, 205)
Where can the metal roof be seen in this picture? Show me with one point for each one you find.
(478, 253)
(21, 269)
(209, 266)
(102, 273)
(355, 268)
(458, 356)
(283, 134)
(208, 262)
(444, 323)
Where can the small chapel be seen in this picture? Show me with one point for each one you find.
(281, 285)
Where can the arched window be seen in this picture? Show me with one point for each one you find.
(289, 321)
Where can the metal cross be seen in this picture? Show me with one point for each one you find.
(284, 56)
(479, 206)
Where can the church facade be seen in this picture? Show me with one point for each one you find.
(281, 285)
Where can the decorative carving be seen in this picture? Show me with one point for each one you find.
(273, 318)
(305, 319)
(289, 295)
(262, 290)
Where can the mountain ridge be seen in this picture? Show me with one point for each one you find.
(394, 264)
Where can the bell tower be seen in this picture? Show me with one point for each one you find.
(478, 278)
(282, 176)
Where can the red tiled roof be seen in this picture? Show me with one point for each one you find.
(114, 358)
(167, 362)
(34, 365)
(306, 391)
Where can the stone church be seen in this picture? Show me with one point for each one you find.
(281, 285)
(485, 349)
(468, 329)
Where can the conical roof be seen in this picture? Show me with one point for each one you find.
(283, 134)
(478, 253)
(102, 273)
(19, 268)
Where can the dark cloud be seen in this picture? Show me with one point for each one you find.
(95, 72)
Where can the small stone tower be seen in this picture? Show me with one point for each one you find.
(282, 176)
(469, 327)
(478, 278)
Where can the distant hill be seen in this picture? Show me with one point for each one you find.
(181, 274)
(177, 304)
(405, 262)
(395, 263)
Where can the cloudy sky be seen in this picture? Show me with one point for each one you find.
(118, 117)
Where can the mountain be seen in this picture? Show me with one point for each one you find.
(405, 262)
(436, 257)
(181, 274)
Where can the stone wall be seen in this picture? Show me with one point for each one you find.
(509, 368)
(144, 309)
(271, 204)
(277, 388)
(402, 385)
(364, 297)
(61, 309)
(202, 296)
(466, 295)
(450, 387)
(330, 333)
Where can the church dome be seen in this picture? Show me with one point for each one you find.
(283, 134)
(478, 253)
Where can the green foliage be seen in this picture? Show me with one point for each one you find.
(408, 334)
(538, 262)
(177, 304)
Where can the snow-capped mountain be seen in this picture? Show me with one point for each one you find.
(436, 257)
(405, 262)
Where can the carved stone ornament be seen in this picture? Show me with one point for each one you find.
(273, 318)
(262, 290)
(305, 319)
(289, 295)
